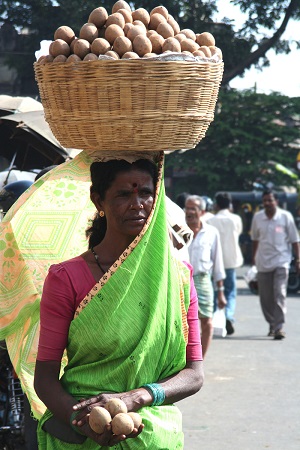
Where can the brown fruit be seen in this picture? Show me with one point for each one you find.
(117, 19)
(189, 34)
(60, 58)
(100, 46)
(171, 44)
(127, 27)
(216, 51)
(126, 14)
(141, 45)
(171, 21)
(81, 48)
(98, 16)
(89, 32)
(112, 54)
(149, 55)
(142, 15)
(135, 31)
(165, 30)
(115, 406)
(73, 58)
(130, 55)
(41, 58)
(120, 4)
(122, 45)
(206, 39)
(65, 33)
(189, 45)
(199, 53)
(205, 50)
(90, 57)
(112, 32)
(160, 10)
(137, 420)
(122, 423)
(155, 20)
(157, 42)
(59, 47)
(151, 33)
(180, 37)
(99, 418)
(139, 23)
(72, 44)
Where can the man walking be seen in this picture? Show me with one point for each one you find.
(230, 227)
(274, 235)
(206, 258)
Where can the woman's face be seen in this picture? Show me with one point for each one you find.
(127, 203)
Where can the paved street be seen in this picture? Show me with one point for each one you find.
(251, 395)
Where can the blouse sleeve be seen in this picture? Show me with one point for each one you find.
(57, 311)
(194, 348)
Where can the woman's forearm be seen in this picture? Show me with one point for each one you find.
(185, 383)
(51, 392)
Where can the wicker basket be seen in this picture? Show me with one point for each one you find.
(129, 104)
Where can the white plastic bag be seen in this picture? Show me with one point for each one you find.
(219, 322)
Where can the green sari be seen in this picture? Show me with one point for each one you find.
(131, 329)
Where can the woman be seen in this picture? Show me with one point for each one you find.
(124, 332)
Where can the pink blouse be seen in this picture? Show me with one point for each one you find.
(65, 286)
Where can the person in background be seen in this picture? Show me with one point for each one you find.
(230, 227)
(181, 198)
(208, 208)
(125, 312)
(206, 258)
(274, 236)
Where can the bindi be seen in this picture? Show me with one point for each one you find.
(135, 188)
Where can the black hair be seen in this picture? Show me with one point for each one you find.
(181, 198)
(103, 175)
(270, 192)
(223, 200)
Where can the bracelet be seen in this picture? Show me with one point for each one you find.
(157, 392)
(221, 288)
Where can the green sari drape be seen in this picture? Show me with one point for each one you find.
(132, 330)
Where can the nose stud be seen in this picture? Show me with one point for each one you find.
(141, 207)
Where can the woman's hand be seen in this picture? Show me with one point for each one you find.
(107, 438)
(134, 400)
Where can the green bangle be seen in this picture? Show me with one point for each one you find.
(157, 392)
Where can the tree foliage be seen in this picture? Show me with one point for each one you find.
(249, 133)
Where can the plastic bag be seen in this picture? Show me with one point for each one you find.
(219, 322)
(251, 279)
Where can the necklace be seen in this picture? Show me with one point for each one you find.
(97, 260)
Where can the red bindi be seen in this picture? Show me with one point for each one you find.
(135, 189)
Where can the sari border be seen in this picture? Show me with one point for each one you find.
(104, 279)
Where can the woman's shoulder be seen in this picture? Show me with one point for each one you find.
(73, 269)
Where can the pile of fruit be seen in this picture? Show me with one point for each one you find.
(114, 413)
(127, 34)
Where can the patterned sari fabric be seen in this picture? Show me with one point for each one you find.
(131, 329)
(45, 226)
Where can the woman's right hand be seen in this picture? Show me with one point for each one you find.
(107, 438)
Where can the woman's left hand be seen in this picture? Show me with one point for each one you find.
(134, 400)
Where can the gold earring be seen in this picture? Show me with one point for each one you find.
(101, 213)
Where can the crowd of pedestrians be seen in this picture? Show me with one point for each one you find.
(215, 253)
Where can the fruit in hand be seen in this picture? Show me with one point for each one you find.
(99, 418)
(115, 406)
(122, 423)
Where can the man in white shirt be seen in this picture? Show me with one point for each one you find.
(274, 236)
(230, 227)
(207, 261)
